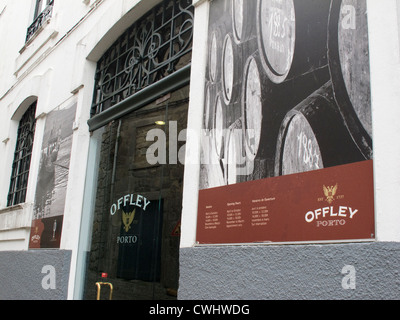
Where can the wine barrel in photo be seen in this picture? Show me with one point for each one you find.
(292, 36)
(313, 136)
(214, 53)
(264, 106)
(243, 12)
(209, 98)
(223, 117)
(349, 68)
(252, 107)
(231, 70)
(235, 160)
(219, 126)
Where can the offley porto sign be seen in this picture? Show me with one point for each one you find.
(331, 204)
(330, 216)
(295, 78)
(329, 212)
(128, 205)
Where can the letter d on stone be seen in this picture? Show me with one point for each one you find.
(49, 280)
(349, 280)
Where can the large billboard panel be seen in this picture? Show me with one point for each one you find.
(287, 131)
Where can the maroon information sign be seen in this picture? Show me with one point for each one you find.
(332, 204)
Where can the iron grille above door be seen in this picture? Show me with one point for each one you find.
(154, 47)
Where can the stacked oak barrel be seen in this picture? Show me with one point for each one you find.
(287, 86)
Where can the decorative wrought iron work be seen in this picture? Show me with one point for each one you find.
(40, 19)
(22, 157)
(152, 48)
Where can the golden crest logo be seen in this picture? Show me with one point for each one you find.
(127, 219)
(330, 193)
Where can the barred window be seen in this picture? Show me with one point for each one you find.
(22, 157)
(40, 6)
(43, 12)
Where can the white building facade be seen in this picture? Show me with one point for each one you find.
(102, 194)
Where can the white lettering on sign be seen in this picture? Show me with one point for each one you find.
(308, 152)
(130, 199)
(326, 212)
(127, 239)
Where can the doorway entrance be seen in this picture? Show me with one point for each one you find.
(136, 221)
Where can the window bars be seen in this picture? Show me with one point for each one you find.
(40, 17)
(154, 47)
(22, 157)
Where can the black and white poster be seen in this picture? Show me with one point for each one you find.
(287, 92)
(53, 178)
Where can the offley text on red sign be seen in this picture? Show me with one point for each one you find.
(322, 216)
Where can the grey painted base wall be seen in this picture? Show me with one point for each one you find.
(34, 275)
(291, 272)
(234, 272)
